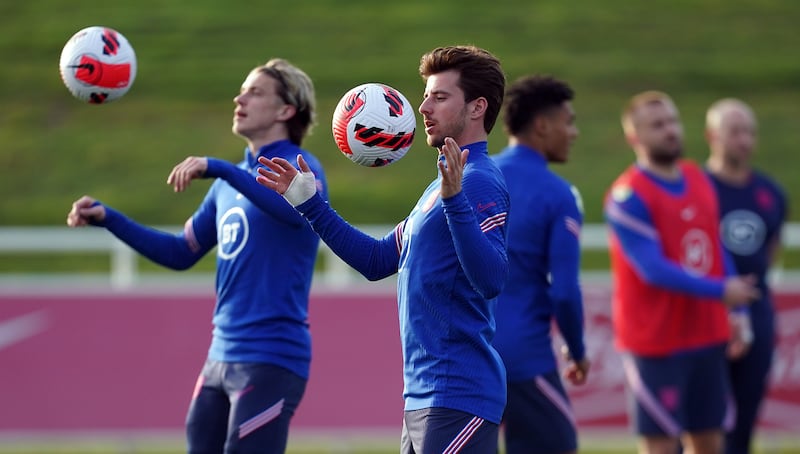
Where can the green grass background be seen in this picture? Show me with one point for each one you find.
(194, 55)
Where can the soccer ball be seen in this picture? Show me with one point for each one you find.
(97, 65)
(374, 124)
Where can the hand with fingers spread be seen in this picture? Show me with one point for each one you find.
(281, 176)
(84, 211)
(451, 166)
(191, 168)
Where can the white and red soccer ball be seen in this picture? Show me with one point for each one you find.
(98, 65)
(374, 125)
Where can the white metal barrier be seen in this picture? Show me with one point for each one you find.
(124, 271)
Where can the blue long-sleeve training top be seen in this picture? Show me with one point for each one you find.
(451, 261)
(544, 226)
(265, 260)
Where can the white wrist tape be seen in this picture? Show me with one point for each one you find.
(302, 188)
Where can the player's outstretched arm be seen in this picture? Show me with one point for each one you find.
(630, 223)
(270, 202)
(175, 251)
(374, 259)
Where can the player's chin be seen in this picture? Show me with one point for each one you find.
(238, 129)
(560, 157)
(435, 141)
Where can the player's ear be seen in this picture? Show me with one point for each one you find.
(709, 135)
(286, 112)
(631, 138)
(478, 107)
(541, 125)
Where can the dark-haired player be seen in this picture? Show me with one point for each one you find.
(544, 267)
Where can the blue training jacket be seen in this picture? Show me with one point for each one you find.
(544, 266)
(451, 258)
(265, 260)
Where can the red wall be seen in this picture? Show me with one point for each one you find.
(128, 361)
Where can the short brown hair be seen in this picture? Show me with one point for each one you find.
(641, 99)
(480, 75)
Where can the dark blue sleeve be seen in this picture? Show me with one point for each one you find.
(479, 240)
(730, 264)
(175, 251)
(374, 258)
(564, 256)
(631, 223)
(268, 201)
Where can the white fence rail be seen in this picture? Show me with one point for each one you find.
(124, 271)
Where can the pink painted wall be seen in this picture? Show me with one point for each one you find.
(128, 361)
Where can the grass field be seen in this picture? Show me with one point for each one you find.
(193, 56)
(345, 446)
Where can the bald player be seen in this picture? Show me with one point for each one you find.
(753, 208)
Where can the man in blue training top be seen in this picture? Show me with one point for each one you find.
(753, 209)
(544, 266)
(449, 253)
(258, 363)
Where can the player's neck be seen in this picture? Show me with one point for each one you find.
(669, 172)
(532, 144)
(472, 133)
(257, 143)
(727, 171)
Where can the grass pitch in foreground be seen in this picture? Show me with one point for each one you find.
(346, 445)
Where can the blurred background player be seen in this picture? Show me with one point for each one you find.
(258, 363)
(544, 267)
(449, 253)
(671, 285)
(753, 208)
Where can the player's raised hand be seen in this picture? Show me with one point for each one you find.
(85, 210)
(182, 174)
(740, 290)
(280, 175)
(451, 166)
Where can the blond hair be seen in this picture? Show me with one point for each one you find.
(294, 88)
(719, 108)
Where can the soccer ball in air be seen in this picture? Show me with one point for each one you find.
(98, 65)
(374, 124)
